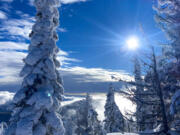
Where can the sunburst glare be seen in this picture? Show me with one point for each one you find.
(132, 43)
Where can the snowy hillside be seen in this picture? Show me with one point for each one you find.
(98, 101)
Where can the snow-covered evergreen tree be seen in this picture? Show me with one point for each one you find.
(168, 16)
(94, 126)
(140, 108)
(80, 128)
(114, 121)
(157, 87)
(36, 105)
(69, 121)
(3, 127)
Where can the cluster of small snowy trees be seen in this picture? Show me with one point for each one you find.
(114, 121)
(86, 119)
(81, 118)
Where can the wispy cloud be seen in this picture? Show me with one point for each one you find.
(5, 6)
(71, 1)
(82, 79)
(13, 49)
(11, 62)
(11, 54)
(17, 28)
(61, 29)
(2, 15)
(63, 1)
(82, 74)
(4, 46)
(7, 0)
(75, 78)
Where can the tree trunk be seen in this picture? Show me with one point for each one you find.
(160, 94)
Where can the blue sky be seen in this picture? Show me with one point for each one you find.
(92, 37)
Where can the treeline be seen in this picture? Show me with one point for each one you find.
(156, 90)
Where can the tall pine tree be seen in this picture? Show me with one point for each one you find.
(94, 126)
(140, 108)
(114, 121)
(36, 105)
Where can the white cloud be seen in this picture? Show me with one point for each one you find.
(65, 60)
(81, 79)
(61, 52)
(62, 1)
(5, 97)
(2, 15)
(11, 55)
(94, 74)
(7, 45)
(17, 28)
(71, 1)
(62, 29)
(6, 7)
(75, 78)
(11, 64)
(71, 99)
(7, 0)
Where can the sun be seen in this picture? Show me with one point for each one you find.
(132, 43)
